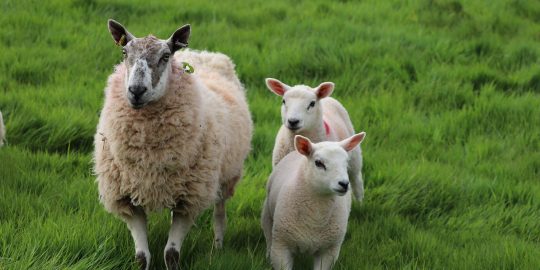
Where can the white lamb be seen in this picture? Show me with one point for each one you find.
(307, 204)
(314, 114)
(2, 131)
(170, 139)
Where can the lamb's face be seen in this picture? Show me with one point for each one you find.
(147, 70)
(300, 109)
(327, 162)
(147, 61)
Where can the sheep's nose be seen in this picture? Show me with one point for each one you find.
(137, 90)
(293, 122)
(344, 184)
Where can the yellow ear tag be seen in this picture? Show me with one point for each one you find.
(121, 41)
(187, 67)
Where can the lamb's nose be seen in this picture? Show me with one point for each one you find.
(293, 122)
(344, 184)
(137, 90)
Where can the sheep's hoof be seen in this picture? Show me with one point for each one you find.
(172, 259)
(141, 260)
(218, 243)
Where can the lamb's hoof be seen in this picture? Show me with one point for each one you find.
(140, 258)
(218, 243)
(172, 259)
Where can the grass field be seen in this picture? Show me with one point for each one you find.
(447, 91)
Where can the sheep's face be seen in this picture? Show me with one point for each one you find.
(327, 163)
(148, 62)
(300, 108)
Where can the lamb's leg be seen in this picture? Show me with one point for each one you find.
(355, 174)
(220, 222)
(179, 228)
(266, 222)
(137, 225)
(326, 259)
(281, 257)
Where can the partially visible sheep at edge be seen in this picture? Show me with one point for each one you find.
(307, 204)
(171, 139)
(312, 113)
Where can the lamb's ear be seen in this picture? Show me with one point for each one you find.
(179, 39)
(276, 86)
(353, 141)
(119, 33)
(303, 145)
(324, 89)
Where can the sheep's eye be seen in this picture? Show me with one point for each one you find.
(165, 57)
(283, 102)
(320, 164)
(124, 52)
(311, 105)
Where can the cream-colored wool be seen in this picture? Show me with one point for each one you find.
(305, 210)
(183, 151)
(327, 110)
(2, 130)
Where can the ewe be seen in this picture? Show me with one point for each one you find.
(313, 114)
(170, 139)
(307, 204)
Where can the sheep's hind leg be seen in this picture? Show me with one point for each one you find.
(220, 222)
(137, 226)
(179, 228)
(355, 174)
(220, 214)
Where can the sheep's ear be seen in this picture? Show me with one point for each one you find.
(119, 33)
(303, 145)
(353, 141)
(324, 89)
(179, 39)
(276, 86)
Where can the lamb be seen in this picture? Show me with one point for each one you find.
(314, 114)
(307, 204)
(170, 139)
(2, 131)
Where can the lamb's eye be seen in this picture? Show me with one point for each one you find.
(283, 102)
(311, 105)
(165, 57)
(320, 164)
(124, 52)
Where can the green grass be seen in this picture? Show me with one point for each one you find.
(447, 91)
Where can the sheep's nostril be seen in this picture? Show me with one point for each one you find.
(344, 184)
(293, 122)
(137, 90)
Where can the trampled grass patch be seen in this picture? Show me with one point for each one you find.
(447, 91)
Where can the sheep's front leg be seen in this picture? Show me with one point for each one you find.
(220, 222)
(325, 260)
(137, 226)
(281, 257)
(179, 228)
(355, 174)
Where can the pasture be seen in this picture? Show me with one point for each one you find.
(448, 92)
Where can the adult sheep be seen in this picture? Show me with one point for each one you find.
(170, 139)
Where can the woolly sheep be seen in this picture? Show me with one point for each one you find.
(314, 114)
(307, 204)
(2, 131)
(170, 139)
